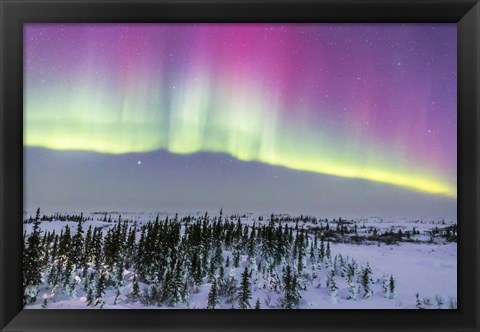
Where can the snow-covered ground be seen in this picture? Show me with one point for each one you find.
(428, 268)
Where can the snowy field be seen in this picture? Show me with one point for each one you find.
(422, 262)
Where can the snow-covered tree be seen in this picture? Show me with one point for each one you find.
(273, 279)
(292, 296)
(321, 250)
(328, 252)
(230, 289)
(76, 252)
(352, 270)
(418, 303)
(367, 282)
(439, 301)
(100, 290)
(352, 290)
(213, 301)
(332, 284)
(245, 293)
(31, 262)
(135, 293)
(385, 286)
(89, 288)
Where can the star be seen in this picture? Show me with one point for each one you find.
(139, 162)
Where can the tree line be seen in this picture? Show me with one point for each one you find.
(163, 262)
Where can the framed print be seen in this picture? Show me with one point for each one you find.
(165, 156)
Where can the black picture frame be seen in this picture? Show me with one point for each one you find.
(14, 13)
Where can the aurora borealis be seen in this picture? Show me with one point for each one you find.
(367, 101)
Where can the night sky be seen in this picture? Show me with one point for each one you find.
(367, 112)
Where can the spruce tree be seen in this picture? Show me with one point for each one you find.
(418, 302)
(385, 286)
(98, 248)
(197, 273)
(100, 290)
(89, 288)
(245, 292)
(218, 258)
(328, 252)
(439, 301)
(213, 301)
(53, 275)
(89, 300)
(352, 290)
(291, 291)
(342, 266)
(391, 287)
(332, 284)
(294, 292)
(76, 253)
(321, 251)
(175, 287)
(45, 247)
(31, 262)
(257, 304)
(452, 303)
(135, 293)
(312, 254)
(301, 256)
(236, 258)
(68, 272)
(211, 272)
(230, 289)
(53, 255)
(351, 270)
(221, 273)
(367, 282)
(155, 295)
